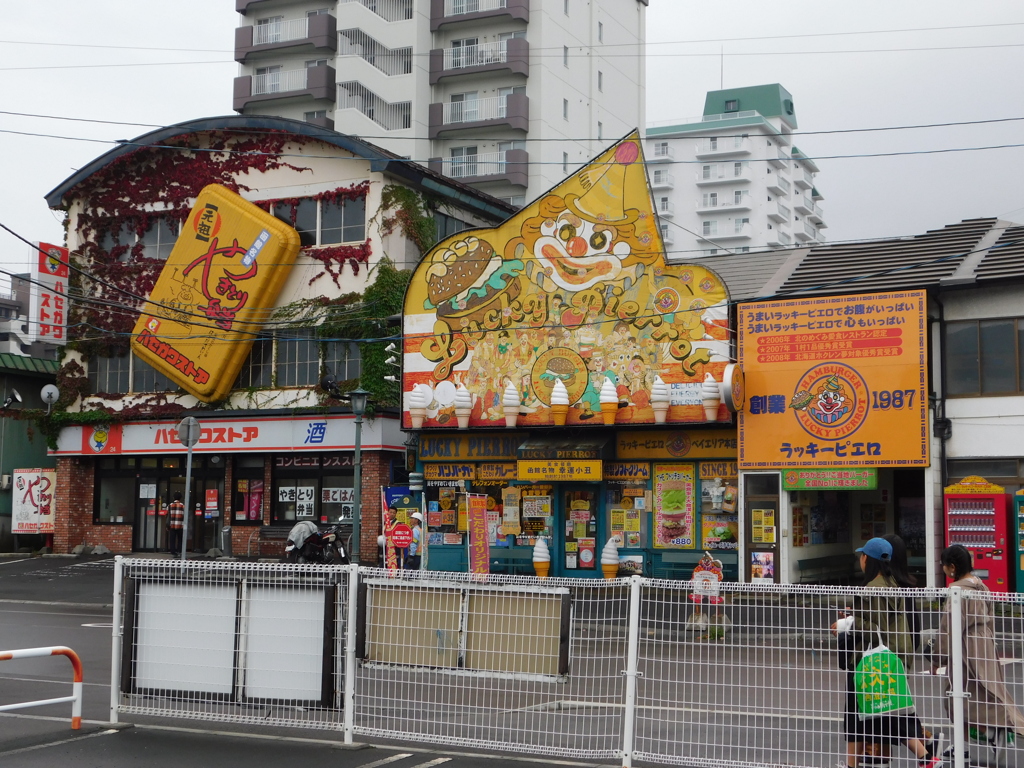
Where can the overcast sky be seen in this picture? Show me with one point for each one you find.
(839, 82)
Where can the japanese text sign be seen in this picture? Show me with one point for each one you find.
(835, 381)
(219, 285)
(48, 303)
(32, 501)
(674, 506)
(479, 544)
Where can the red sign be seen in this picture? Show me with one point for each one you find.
(479, 544)
(401, 536)
(48, 295)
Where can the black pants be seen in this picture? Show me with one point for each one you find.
(174, 541)
(412, 563)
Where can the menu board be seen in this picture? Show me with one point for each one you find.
(674, 503)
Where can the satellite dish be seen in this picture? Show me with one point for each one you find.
(50, 394)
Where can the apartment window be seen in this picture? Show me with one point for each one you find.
(565, 162)
(708, 172)
(318, 114)
(732, 105)
(463, 161)
(342, 358)
(737, 198)
(448, 225)
(709, 227)
(600, 80)
(711, 252)
(664, 233)
(737, 169)
(267, 79)
(310, 63)
(565, 55)
(504, 93)
(515, 200)
(710, 200)
(600, 32)
(464, 52)
(298, 358)
(146, 378)
(506, 146)
(739, 224)
(464, 107)
(258, 367)
(600, 130)
(565, 109)
(743, 249)
(661, 149)
(504, 37)
(110, 375)
(158, 240)
(326, 222)
(663, 204)
(712, 144)
(317, 12)
(985, 357)
(268, 30)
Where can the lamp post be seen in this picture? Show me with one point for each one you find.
(357, 399)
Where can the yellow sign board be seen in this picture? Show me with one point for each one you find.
(835, 381)
(573, 289)
(433, 471)
(501, 446)
(973, 485)
(677, 444)
(560, 470)
(214, 293)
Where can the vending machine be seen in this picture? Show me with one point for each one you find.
(1018, 522)
(978, 517)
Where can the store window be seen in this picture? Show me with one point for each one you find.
(298, 358)
(114, 503)
(248, 493)
(110, 375)
(318, 488)
(325, 222)
(343, 360)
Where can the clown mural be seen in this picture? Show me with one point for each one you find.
(573, 289)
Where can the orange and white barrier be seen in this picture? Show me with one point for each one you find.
(76, 690)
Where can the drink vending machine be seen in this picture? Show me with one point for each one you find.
(978, 517)
(1018, 520)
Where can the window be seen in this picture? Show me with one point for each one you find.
(737, 197)
(504, 93)
(600, 32)
(326, 222)
(463, 162)
(506, 146)
(985, 357)
(712, 144)
(311, 63)
(711, 252)
(732, 105)
(565, 55)
(565, 109)
(737, 169)
(600, 80)
(709, 227)
(448, 225)
(342, 358)
(516, 200)
(743, 249)
(464, 107)
(318, 488)
(565, 162)
(463, 52)
(665, 236)
(268, 30)
(110, 375)
(258, 366)
(318, 12)
(710, 200)
(267, 79)
(709, 172)
(115, 499)
(739, 224)
(318, 114)
(298, 358)
(159, 239)
(146, 378)
(600, 130)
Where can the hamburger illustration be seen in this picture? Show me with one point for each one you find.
(468, 279)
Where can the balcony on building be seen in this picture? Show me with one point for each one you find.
(512, 111)
(445, 12)
(780, 213)
(661, 179)
(779, 239)
(510, 166)
(665, 208)
(778, 185)
(667, 238)
(502, 55)
(806, 233)
(778, 158)
(732, 231)
(713, 202)
(310, 82)
(660, 152)
(802, 204)
(313, 34)
(723, 173)
(803, 179)
(723, 146)
(816, 216)
(319, 119)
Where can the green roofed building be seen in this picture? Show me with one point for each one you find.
(731, 180)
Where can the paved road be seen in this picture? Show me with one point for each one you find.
(62, 601)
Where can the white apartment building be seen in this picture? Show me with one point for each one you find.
(731, 180)
(506, 95)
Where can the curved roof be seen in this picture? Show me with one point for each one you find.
(380, 159)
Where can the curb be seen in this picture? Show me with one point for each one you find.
(106, 606)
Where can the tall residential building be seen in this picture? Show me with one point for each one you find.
(505, 95)
(732, 180)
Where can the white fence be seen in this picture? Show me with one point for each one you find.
(279, 81)
(476, 55)
(626, 669)
(280, 31)
(491, 108)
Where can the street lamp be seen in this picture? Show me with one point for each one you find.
(357, 399)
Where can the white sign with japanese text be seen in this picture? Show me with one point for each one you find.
(32, 503)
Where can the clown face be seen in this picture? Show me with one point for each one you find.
(576, 254)
(830, 406)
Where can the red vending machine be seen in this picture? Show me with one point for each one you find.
(978, 517)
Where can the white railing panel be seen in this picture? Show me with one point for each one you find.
(475, 55)
(460, 7)
(280, 32)
(493, 108)
(389, 10)
(485, 164)
(279, 82)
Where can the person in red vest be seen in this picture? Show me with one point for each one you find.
(174, 524)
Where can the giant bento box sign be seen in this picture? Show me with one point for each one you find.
(214, 293)
(567, 313)
(836, 381)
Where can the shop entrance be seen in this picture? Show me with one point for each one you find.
(155, 495)
(761, 522)
(579, 522)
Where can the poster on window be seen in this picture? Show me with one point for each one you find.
(674, 506)
(303, 496)
(338, 495)
(255, 500)
(32, 501)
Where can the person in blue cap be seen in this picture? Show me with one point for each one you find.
(873, 616)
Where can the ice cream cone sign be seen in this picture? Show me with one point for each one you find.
(610, 559)
(536, 314)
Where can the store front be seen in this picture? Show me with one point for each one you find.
(578, 492)
(116, 484)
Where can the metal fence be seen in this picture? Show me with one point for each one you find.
(629, 669)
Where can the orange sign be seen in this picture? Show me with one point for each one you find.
(835, 381)
(479, 541)
(213, 295)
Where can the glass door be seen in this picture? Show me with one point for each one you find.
(150, 516)
(577, 531)
(761, 523)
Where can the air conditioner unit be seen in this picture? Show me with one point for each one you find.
(5, 482)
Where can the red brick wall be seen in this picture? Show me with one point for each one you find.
(72, 520)
(376, 471)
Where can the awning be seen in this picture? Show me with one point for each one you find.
(563, 448)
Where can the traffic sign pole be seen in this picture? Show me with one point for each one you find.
(188, 435)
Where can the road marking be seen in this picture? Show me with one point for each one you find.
(438, 761)
(57, 743)
(97, 606)
(100, 625)
(386, 760)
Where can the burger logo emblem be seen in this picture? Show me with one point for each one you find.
(830, 401)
